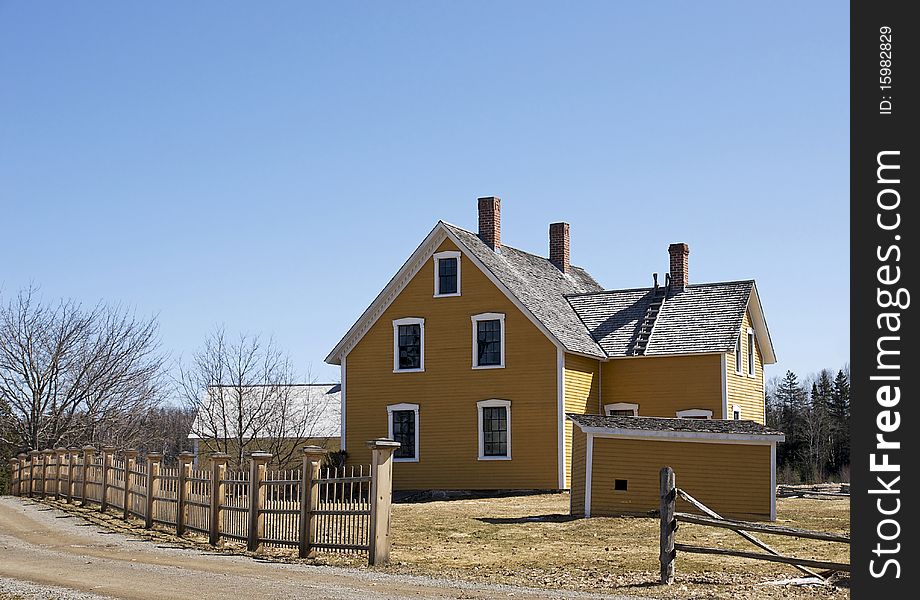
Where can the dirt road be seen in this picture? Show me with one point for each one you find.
(51, 554)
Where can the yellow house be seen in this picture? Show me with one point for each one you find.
(475, 351)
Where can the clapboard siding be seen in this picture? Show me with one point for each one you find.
(582, 389)
(744, 390)
(732, 479)
(661, 386)
(577, 493)
(448, 389)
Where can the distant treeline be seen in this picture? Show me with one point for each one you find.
(814, 413)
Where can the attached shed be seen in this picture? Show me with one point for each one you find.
(729, 466)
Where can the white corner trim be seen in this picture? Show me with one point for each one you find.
(773, 481)
(438, 256)
(403, 406)
(409, 321)
(622, 406)
(342, 403)
(694, 412)
(724, 386)
(494, 403)
(560, 413)
(489, 316)
(589, 461)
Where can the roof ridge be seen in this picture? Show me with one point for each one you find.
(641, 289)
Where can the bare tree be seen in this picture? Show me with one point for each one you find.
(244, 397)
(73, 375)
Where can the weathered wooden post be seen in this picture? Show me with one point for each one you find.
(130, 461)
(183, 490)
(218, 474)
(88, 468)
(668, 525)
(60, 489)
(309, 499)
(46, 467)
(14, 476)
(153, 487)
(72, 477)
(107, 453)
(258, 461)
(22, 456)
(35, 470)
(381, 498)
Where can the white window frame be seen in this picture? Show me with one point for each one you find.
(736, 409)
(437, 257)
(488, 317)
(409, 321)
(751, 362)
(694, 413)
(493, 403)
(739, 370)
(622, 406)
(391, 408)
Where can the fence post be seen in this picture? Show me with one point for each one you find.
(183, 488)
(46, 462)
(668, 525)
(22, 456)
(14, 475)
(257, 463)
(107, 452)
(34, 472)
(309, 499)
(218, 474)
(130, 461)
(59, 490)
(88, 453)
(153, 487)
(72, 476)
(381, 497)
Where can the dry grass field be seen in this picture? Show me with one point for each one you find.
(530, 540)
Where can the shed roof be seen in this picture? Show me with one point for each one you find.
(625, 425)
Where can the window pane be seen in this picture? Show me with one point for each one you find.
(404, 433)
(495, 431)
(620, 413)
(410, 346)
(447, 276)
(489, 342)
(750, 354)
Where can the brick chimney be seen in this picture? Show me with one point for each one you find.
(680, 266)
(490, 221)
(559, 245)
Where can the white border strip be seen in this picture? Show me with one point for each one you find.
(560, 409)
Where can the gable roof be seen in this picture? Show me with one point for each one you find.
(656, 426)
(577, 314)
(704, 318)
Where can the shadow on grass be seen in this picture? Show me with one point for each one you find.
(553, 518)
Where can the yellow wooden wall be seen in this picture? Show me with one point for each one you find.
(731, 479)
(744, 390)
(582, 394)
(663, 385)
(577, 492)
(448, 389)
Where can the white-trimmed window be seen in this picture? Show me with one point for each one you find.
(694, 413)
(446, 274)
(750, 352)
(739, 369)
(494, 429)
(736, 412)
(403, 428)
(408, 345)
(621, 409)
(488, 341)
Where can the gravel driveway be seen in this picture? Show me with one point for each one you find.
(46, 553)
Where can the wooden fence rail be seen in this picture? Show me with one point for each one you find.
(311, 508)
(669, 519)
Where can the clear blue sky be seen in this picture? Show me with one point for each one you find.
(269, 166)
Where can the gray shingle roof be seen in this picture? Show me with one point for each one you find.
(704, 318)
(675, 425)
(540, 287)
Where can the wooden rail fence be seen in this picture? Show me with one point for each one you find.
(314, 508)
(669, 519)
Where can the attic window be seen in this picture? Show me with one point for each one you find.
(750, 352)
(738, 368)
(621, 409)
(694, 413)
(446, 274)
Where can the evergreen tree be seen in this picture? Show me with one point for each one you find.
(840, 422)
(790, 399)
